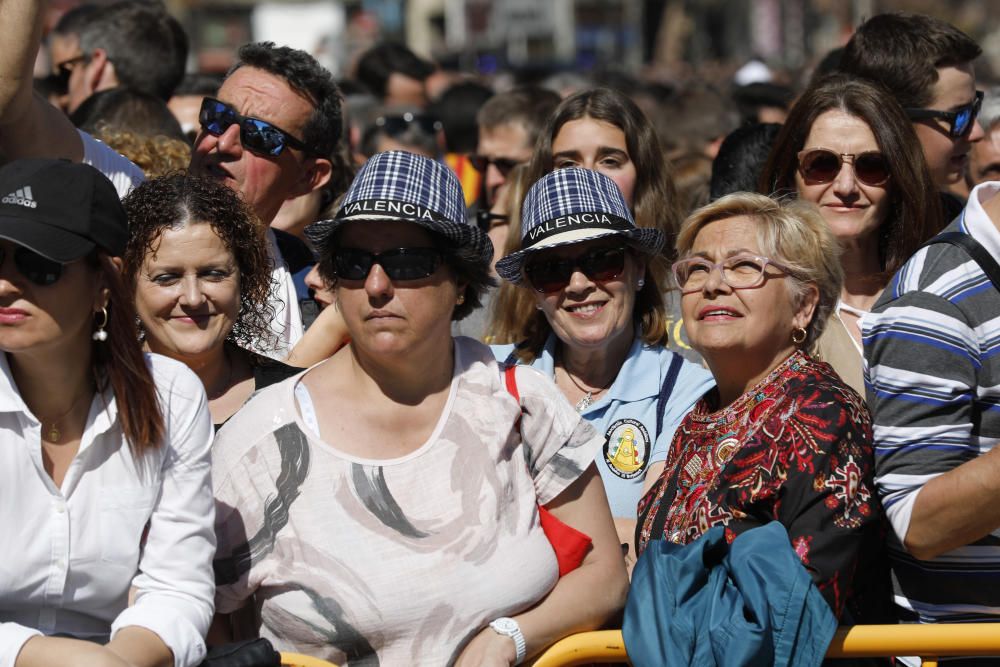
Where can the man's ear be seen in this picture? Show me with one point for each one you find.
(316, 172)
(100, 72)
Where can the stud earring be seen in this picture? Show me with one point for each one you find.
(460, 300)
(642, 283)
(101, 334)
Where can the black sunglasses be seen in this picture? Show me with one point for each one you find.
(553, 275)
(397, 125)
(960, 121)
(258, 136)
(822, 165)
(482, 162)
(40, 270)
(398, 264)
(64, 71)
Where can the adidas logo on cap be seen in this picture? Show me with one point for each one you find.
(21, 197)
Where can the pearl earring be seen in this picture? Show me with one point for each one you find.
(101, 334)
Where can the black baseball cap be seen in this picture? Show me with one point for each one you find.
(60, 209)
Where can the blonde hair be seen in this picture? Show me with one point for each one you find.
(791, 232)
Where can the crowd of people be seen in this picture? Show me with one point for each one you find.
(403, 368)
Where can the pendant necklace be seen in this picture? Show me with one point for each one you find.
(588, 398)
(53, 434)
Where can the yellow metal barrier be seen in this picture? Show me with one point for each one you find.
(299, 660)
(859, 641)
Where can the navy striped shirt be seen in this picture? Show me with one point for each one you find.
(932, 356)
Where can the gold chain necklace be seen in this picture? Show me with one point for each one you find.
(53, 434)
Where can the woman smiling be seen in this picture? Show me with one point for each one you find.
(599, 331)
(197, 263)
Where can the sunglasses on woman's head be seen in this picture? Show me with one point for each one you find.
(960, 121)
(40, 270)
(553, 275)
(822, 165)
(399, 264)
(257, 136)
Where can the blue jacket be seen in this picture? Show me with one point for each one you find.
(711, 603)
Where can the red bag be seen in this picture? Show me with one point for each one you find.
(570, 544)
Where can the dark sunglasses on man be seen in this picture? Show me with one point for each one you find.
(482, 162)
(64, 71)
(258, 136)
(960, 121)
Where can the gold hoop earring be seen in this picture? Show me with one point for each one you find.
(799, 335)
(101, 334)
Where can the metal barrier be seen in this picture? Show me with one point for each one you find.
(859, 641)
(299, 660)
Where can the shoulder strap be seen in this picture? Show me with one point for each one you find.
(666, 390)
(975, 250)
(510, 379)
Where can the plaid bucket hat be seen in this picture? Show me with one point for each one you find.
(571, 206)
(397, 185)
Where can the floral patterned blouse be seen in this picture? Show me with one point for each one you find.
(797, 448)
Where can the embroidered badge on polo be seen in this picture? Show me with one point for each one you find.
(21, 197)
(626, 448)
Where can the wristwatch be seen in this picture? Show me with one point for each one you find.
(508, 627)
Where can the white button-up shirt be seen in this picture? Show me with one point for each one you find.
(69, 555)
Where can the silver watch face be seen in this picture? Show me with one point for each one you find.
(507, 626)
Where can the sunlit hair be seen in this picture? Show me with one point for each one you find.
(156, 156)
(914, 212)
(654, 205)
(791, 232)
(118, 363)
(180, 199)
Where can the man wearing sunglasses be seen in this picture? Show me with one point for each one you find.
(269, 133)
(927, 64)
(128, 43)
(509, 124)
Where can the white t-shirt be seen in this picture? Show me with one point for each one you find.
(403, 559)
(121, 171)
(287, 322)
(70, 555)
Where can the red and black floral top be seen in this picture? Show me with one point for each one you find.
(797, 448)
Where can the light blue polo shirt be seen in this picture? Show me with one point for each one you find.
(626, 415)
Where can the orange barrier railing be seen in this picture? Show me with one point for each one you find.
(859, 641)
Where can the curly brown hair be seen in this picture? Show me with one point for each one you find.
(178, 199)
(156, 156)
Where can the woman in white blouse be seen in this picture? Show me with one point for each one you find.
(105, 499)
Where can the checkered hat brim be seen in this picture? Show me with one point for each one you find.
(396, 185)
(570, 206)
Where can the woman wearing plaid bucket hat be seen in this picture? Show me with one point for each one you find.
(599, 329)
(379, 506)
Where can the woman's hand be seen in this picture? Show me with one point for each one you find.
(489, 649)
